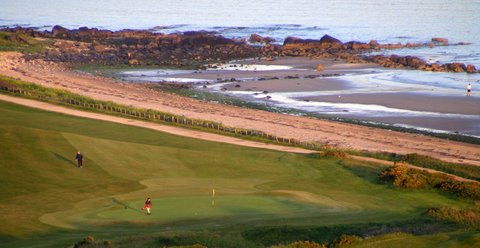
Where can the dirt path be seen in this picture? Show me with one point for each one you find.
(334, 134)
(150, 125)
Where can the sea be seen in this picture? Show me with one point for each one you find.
(387, 21)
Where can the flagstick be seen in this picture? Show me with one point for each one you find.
(213, 197)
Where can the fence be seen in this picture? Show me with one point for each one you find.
(153, 115)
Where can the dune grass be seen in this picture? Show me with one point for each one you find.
(46, 201)
(20, 43)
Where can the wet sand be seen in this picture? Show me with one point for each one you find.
(411, 101)
(289, 85)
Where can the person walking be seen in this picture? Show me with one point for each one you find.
(79, 158)
(469, 89)
(148, 205)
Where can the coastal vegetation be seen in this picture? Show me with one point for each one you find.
(403, 177)
(20, 43)
(264, 198)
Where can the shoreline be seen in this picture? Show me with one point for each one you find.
(334, 134)
(335, 92)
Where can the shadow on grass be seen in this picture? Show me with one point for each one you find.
(268, 236)
(60, 157)
(126, 206)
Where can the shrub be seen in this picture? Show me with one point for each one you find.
(333, 154)
(403, 177)
(301, 244)
(463, 170)
(461, 189)
(345, 240)
(469, 218)
(89, 242)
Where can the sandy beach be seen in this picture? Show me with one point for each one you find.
(340, 135)
(411, 101)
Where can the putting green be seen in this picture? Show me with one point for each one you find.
(170, 209)
(124, 165)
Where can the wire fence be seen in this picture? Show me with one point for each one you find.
(151, 115)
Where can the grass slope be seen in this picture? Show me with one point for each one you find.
(20, 43)
(46, 201)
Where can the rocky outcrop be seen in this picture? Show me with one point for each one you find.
(440, 40)
(326, 42)
(471, 69)
(141, 47)
(395, 61)
(255, 38)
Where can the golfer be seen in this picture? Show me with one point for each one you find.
(148, 205)
(79, 159)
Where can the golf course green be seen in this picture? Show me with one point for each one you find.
(262, 197)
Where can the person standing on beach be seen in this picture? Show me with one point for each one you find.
(79, 158)
(148, 205)
(469, 89)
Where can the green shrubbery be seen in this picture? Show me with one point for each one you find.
(331, 153)
(403, 177)
(20, 43)
(463, 170)
(345, 240)
(89, 242)
(468, 218)
(301, 244)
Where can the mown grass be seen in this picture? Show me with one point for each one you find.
(20, 43)
(126, 164)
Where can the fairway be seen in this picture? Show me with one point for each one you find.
(44, 196)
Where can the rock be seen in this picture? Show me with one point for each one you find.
(326, 42)
(440, 40)
(97, 47)
(255, 38)
(471, 68)
(373, 43)
(268, 40)
(355, 45)
(414, 62)
(320, 67)
(456, 67)
(60, 32)
(133, 62)
(327, 39)
(436, 67)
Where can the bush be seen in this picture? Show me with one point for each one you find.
(301, 244)
(333, 154)
(345, 240)
(89, 242)
(469, 218)
(461, 189)
(403, 177)
(463, 170)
